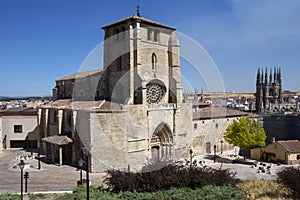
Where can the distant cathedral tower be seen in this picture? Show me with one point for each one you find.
(268, 90)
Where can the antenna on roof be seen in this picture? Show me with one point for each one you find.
(138, 11)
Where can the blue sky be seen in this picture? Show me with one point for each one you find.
(41, 41)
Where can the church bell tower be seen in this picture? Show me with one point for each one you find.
(141, 62)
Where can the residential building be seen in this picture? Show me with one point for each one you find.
(19, 128)
(283, 151)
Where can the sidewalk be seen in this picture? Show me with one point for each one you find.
(49, 178)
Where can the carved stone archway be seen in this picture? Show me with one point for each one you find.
(161, 143)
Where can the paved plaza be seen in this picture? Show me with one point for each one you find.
(64, 178)
(244, 170)
(49, 178)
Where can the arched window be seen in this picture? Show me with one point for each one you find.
(154, 61)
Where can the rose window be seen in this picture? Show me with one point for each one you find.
(154, 93)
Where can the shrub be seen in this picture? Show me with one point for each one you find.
(290, 177)
(170, 176)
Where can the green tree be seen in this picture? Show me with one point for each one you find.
(245, 133)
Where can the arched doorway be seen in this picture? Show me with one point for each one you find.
(162, 143)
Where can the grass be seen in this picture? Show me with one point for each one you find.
(251, 189)
(265, 189)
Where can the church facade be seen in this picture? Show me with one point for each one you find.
(268, 90)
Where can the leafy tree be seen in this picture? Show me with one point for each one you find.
(245, 133)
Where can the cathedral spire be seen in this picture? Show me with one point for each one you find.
(279, 75)
(270, 80)
(275, 75)
(258, 77)
(266, 76)
(262, 76)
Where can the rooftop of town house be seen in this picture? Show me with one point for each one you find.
(197, 103)
(19, 111)
(292, 146)
(79, 75)
(219, 112)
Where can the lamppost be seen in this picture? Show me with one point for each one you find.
(215, 148)
(222, 146)
(39, 158)
(21, 166)
(26, 177)
(86, 151)
(80, 163)
(191, 157)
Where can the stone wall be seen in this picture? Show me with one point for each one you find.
(210, 131)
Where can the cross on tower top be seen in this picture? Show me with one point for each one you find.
(138, 11)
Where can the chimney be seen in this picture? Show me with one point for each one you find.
(273, 140)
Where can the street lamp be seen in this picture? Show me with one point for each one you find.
(39, 158)
(86, 151)
(191, 157)
(222, 146)
(80, 163)
(21, 166)
(215, 148)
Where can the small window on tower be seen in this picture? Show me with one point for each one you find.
(156, 32)
(149, 35)
(116, 34)
(154, 61)
(123, 32)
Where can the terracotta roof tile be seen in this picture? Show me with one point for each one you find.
(80, 75)
(217, 112)
(101, 105)
(292, 146)
(142, 19)
(58, 139)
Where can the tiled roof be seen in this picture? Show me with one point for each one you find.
(19, 111)
(81, 75)
(292, 146)
(138, 18)
(217, 112)
(58, 139)
(197, 103)
(101, 105)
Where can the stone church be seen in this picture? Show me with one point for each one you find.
(268, 90)
(131, 112)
